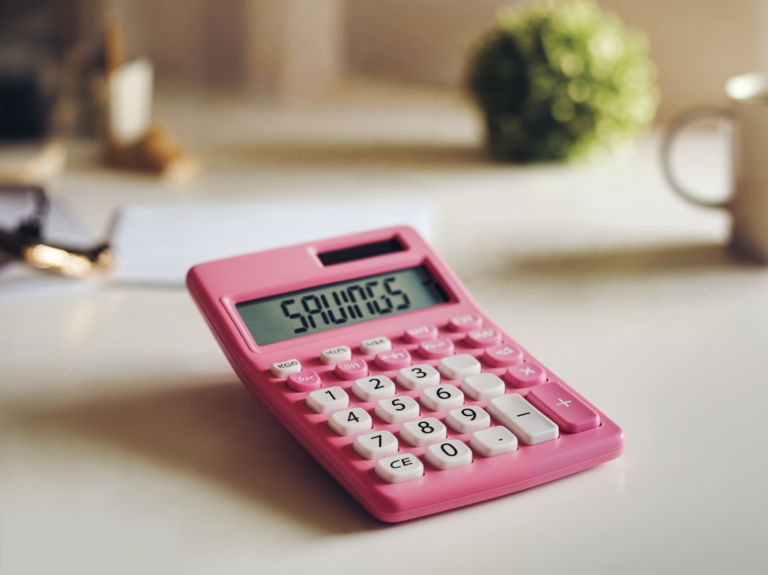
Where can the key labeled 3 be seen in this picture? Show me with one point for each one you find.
(419, 376)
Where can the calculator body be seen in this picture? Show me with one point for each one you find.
(223, 289)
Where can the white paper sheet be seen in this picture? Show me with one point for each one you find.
(158, 244)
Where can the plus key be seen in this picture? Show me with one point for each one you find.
(570, 414)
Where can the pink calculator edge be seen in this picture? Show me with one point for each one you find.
(217, 286)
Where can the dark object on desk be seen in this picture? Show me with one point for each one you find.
(25, 107)
(27, 243)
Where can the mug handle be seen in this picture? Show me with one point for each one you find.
(666, 149)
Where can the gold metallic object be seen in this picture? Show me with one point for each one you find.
(69, 264)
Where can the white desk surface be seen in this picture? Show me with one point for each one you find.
(127, 444)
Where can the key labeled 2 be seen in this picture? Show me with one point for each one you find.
(417, 377)
(373, 388)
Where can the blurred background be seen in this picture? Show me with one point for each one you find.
(127, 444)
(306, 49)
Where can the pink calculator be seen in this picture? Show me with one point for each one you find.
(372, 354)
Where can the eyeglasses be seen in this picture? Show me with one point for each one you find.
(26, 242)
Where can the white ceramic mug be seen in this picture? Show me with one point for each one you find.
(748, 201)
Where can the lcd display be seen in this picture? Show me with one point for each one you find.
(303, 312)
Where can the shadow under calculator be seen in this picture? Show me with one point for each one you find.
(221, 432)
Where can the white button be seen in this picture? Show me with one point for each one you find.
(285, 368)
(350, 421)
(399, 468)
(373, 388)
(327, 400)
(521, 418)
(336, 354)
(418, 377)
(376, 445)
(449, 454)
(442, 397)
(375, 345)
(423, 432)
(397, 409)
(459, 366)
(468, 419)
(483, 386)
(493, 441)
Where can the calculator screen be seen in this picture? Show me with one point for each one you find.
(303, 312)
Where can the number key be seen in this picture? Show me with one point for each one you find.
(350, 421)
(418, 377)
(397, 409)
(373, 388)
(442, 397)
(449, 454)
(468, 419)
(375, 445)
(328, 400)
(423, 432)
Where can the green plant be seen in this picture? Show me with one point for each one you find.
(561, 80)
